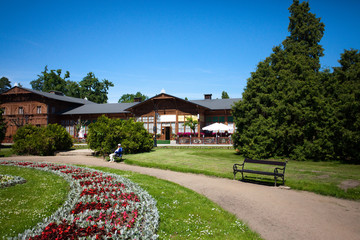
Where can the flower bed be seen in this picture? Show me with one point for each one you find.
(99, 205)
(8, 180)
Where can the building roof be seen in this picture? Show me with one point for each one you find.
(101, 108)
(217, 104)
(58, 97)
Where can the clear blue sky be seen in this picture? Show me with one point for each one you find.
(186, 47)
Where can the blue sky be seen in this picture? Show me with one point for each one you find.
(187, 48)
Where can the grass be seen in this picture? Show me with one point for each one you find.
(319, 177)
(5, 151)
(185, 214)
(24, 205)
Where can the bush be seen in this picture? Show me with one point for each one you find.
(42, 141)
(63, 140)
(105, 134)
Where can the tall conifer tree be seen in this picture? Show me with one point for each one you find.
(280, 111)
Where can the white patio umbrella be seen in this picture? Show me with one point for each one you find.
(217, 127)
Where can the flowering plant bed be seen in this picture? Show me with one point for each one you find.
(8, 180)
(99, 205)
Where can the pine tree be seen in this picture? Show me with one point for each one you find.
(346, 98)
(282, 111)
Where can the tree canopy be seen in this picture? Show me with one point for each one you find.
(191, 123)
(93, 89)
(128, 98)
(224, 95)
(288, 104)
(90, 87)
(4, 84)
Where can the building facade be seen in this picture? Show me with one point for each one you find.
(163, 114)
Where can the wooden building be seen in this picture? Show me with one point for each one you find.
(162, 114)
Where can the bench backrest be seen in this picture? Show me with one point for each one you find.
(248, 160)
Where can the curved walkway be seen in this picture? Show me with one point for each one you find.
(275, 213)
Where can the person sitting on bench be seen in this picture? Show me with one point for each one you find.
(118, 153)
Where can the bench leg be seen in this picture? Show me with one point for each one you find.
(275, 180)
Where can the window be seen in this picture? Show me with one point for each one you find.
(38, 110)
(222, 119)
(52, 109)
(230, 119)
(21, 110)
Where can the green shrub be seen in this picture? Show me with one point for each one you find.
(63, 140)
(105, 134)
(42, 141)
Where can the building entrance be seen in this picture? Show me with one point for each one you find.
(167, 133)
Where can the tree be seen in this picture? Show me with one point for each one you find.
(283, 111)
(191, 123)
(346, 95)
(128, 98)
(48, 81)
(72, 89)
(4, 84)
(224, 95)
(93, 89)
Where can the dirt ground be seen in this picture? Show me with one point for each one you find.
(273, 212)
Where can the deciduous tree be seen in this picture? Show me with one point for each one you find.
(93, 89)
(4, 84)
(128, 98)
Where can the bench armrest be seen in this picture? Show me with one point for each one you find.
(276, 170)
(237, 165)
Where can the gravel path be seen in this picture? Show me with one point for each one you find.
(275, 213)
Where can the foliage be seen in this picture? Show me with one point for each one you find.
(105, 134)
(345, 93)
(90, 87)
(224, 95)
(42, 141)
(93, 89)
(288, 105)
(191, 123)
(129, 98)
(4, 84)
(52, 80)
(62, 138)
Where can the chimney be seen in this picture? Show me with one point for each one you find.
(56, 92)
(207, 96)
(137, 99)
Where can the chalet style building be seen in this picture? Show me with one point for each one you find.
(162, 113)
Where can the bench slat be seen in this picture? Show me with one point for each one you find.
(248, 160)
(260, 172)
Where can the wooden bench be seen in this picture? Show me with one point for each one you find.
(279, 172)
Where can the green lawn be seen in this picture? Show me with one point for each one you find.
(5, 151)
(320, 177)
(24, 205)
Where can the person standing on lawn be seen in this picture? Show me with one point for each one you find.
(118, 153)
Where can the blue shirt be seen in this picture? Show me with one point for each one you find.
(118, 152)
